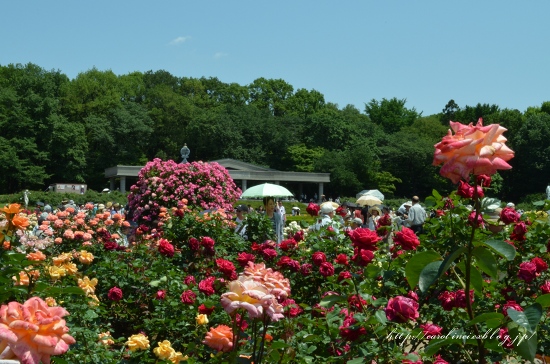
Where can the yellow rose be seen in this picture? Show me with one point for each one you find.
(62, 258)
(138, 342)
(201, 319)
(88, 285)
(50, 301)
(105, 338)
(85, 257)
(177, 357)
(164, 350)
(94, 302)
(56, 272)
(71, 268)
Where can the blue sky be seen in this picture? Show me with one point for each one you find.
(427, 52)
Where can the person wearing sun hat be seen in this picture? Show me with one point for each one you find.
(326, 213)
(374, 215)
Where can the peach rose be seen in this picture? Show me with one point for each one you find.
(36, 256)
(85, 257)
(277, 284)
(138, 342)
(472, 150)
(253, 296)
(105, 338)
(87, 285)
(219, 338)
(33, 331)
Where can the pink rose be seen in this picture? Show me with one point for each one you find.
(472, 150)
(545, 288)
(351, 334)
(402, 309)
(188, 297)
(431, 330)
(447, 300)
(407, 239)
(115, 294)
(305, 269)
(161, 294)
(194, 244)
(189, 281)
(219, 338)
(527, 271)
(344, 275)
(460, 300)
(518, 234)
(476, 222)
(440, 360)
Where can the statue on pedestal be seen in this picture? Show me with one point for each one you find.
(184, 153)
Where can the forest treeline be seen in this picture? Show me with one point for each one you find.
(56, 129)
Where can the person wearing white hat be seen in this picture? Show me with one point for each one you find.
(325, 216)
(374, 215)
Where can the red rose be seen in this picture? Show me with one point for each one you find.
(161, 294)
(473, 221)
(225, 266)
(407, 239)
(203, 310)
(527, 271)
(505, 338)
(356, 302)
(207, 242)
(188, 297)
(460, 300)
(351, 334)
(110, 245)
(449, 204)
(364, 238)
(189, 281)
(401, 309)
(518, 234)
(319, 258)
(465, 190)
(299, 236)
(305, 269)
(313, 209)
(541, 264)
(344, 275)
(294, 265)
(447, 300)
(165, 248)
(509, 215)
(440, 360)
(291, 308)
(269, 253)
(206, 286)
(289, 244)
(431, 330)
(362, 257)
(413, 295)
(194, 244)
(326, 269)
(243, 259)
(483, 180)
(342, 259)
(545, 288)
(115, 294)
(511, 304)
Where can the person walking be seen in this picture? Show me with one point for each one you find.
(416, 216)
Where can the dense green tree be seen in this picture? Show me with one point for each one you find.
(270, 95)
(391, 114)
(305, 103)
(471, 114)
(449, 112)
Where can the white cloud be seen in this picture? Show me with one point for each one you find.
(220, 55)
(179, 40)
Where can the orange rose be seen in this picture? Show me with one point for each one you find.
(12, 209)
(33, 331)
(20, 222)
(219, 338)
(85, 257)
(472, 150)
(36, 256)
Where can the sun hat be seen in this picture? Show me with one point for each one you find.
(375, 208)
(101, 206)
(357, 220)
(408, 203)
(327, 208)
(242, 208)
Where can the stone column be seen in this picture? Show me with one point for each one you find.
(244, 186)
(112, 183)
(123, 184)
(321, 193)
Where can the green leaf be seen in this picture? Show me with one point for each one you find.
(486, 261)
(429, 275)
(436, 194)
(331, 300)
(486, 317)
(501, 247)
(525, 345)
(529, 318)
(417, 263)
(476, 279)
(279, 345)
(544, 300)
(450, 259)
(381, 317)
(356, 361)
